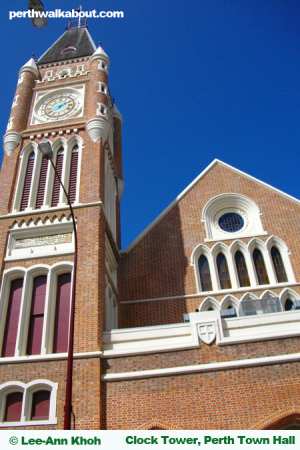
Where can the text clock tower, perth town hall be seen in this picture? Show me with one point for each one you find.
(196, 325)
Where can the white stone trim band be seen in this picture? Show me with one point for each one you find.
(182, 370)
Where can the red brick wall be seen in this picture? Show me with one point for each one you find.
(86, 389)
(221, 400)
(159, 265)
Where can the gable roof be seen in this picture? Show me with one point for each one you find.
(79, 38)
(190, 186)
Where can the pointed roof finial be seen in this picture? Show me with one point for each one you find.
(100, 54)
(113, 100)
(30, 66)
(116, 113)
(32, 56)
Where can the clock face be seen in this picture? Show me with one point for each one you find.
(59, 106)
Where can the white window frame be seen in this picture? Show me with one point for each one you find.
(68, 146)
(231, 202)
(52, 273)
(274, 241)
(288, 293)
(247, 250)
(62, 226)
(209, 302)
(228, 299)
(28, 390)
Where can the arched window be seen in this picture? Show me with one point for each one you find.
(241, 268)
(223, 272)
(36, 321)
(27, 182)
(278, 265)
(28, 404)
(73, 174)
(260, 267)
(27, 330)
(288, 305)
(61, 330)
(56, 184)
(204, 272)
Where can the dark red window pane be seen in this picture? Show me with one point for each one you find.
(37, 316)
(13, 407)
(12, 318)
(260, 267)
(241, 268)
(223, 272)
(278, 265)
(40, 405)
(204, 272)
(61, 329)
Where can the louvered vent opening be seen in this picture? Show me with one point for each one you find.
(27, 182)
(73, 175)
(56, 184)
(42, 184)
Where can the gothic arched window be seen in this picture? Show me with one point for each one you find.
(27, 182)
(241, 268)
(56, 183)
(223, 272)
(205, 278)
(24, 330)
(278, 265)
(260, 267)
(73, 174)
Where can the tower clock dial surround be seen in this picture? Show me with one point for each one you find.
(57, 105)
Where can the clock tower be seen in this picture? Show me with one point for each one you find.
(62, 97)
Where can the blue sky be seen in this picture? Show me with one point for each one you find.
(194, 81)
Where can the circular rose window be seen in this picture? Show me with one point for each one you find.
(231, 222)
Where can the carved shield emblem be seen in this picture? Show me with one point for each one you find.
(207, 333)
